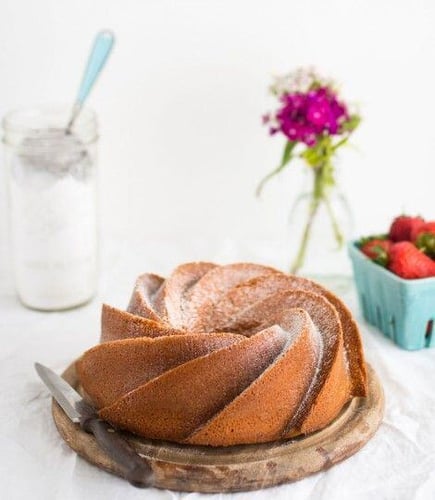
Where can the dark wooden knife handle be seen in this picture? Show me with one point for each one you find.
(135, 468)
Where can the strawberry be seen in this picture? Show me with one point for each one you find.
(403, 226)
(377, 249)
(426, 243)
(424, 238)
(408, 262)
(427, 227)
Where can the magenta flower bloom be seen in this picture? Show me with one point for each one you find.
(304, 117)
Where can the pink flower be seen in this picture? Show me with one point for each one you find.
(304, 117)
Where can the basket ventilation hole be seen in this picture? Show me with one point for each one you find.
(428, 335)
(393, 326)
(364, 304)
(378, 317)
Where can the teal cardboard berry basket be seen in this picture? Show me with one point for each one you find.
(403, 310)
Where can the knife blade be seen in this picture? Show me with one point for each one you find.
(68, 398)
(136, 469)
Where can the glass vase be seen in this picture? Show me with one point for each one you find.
(319, 226)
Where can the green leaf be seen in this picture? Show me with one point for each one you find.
(340, 143)
(426, 243)
(316, 156)
(287, 154)
(351, 124)
(311, 156)
(382, 257)
(366, 239)
(286, 157)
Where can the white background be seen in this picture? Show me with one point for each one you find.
(182, 146)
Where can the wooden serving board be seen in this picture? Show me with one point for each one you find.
(239, 468)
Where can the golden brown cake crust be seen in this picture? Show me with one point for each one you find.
(351, 334)
(224, 355)
(110, 370)
(175, 404)
(143, 298)
(117, 324)
(240, 421)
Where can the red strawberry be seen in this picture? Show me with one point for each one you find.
(402, 227)
(427, 227)
(377, 250)
(424, 238)
(408, 262)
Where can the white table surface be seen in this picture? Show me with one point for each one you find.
(398, 463)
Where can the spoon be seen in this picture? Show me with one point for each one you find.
(58, 150)
(98, 56)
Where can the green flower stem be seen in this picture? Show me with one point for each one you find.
(339, 238)
(269, 176)
(286, 158)
(314, 206)
(300, 257)
(319, 196)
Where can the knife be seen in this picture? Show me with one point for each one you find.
(134, 468)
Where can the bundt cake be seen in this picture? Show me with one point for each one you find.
(224, 355)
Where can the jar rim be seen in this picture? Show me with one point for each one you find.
(31, 118)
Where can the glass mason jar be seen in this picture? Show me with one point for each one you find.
(52, 185)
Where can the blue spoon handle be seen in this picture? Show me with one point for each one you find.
(101, 49)
(100, 52)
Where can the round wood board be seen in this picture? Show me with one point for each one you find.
(239, 468)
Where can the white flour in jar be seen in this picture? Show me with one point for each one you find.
(54, 220)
